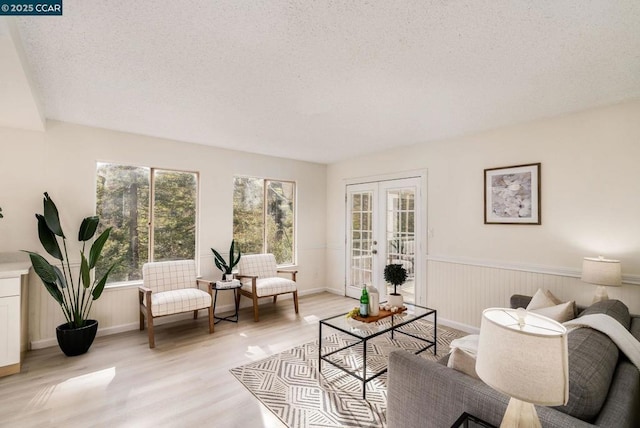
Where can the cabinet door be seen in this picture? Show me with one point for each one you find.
(9, 330)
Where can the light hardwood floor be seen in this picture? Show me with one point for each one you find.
(184, 381)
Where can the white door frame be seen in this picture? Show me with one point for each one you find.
(421, 227)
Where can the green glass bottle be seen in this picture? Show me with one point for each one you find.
(364, 302)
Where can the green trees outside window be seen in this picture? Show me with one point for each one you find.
(264, 217)
(152, 213)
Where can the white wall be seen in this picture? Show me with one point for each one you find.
(590, 206)
(62, 161)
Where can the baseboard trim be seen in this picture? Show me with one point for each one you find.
(523, 267)
(335, 291)
(459, 326)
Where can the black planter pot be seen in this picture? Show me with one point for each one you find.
(76, 341)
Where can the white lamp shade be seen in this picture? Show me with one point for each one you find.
(526, 361)
(601, 271)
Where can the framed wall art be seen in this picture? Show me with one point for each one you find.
(512, 195)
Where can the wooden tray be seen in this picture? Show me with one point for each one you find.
(382, 314)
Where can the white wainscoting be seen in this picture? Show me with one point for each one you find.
(461, 289)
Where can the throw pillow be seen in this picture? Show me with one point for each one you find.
(463, 361)
(463, 355)
(468, 343)
(542, 299)
(561, 313)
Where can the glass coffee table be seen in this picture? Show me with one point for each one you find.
(361, 333)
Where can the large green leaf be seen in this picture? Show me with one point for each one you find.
(233, 261)
(96, 248)
(51, 216)
(62, 282)
(88, 228)
(99, 288)
(48, 238)
(220, 262)
(85, 272)
(42, 268)
(55, 292)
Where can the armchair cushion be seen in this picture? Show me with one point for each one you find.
(174, 287)
(176, 301)
(271, 286)
(173, 275)
(260, 265)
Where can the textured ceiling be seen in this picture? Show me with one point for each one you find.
(328, 80)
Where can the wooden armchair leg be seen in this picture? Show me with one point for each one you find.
(152, 339)
(295, 300)
(141, 321)
(195, 315)
(275, 298)
(211, 320)
(255, 308)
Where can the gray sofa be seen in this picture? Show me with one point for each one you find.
(604, 387)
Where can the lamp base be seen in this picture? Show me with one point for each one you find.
(520, 414)
(601, 294)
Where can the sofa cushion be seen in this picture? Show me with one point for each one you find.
(593, 358)
(635, 327)
(613, 308)
(592, 361)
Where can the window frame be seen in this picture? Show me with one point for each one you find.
(294, 238)
(151, 251)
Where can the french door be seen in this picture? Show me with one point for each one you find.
(384, 226)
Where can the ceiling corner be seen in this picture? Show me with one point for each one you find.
(20, 105)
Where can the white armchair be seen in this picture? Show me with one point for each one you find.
(171, 288)
(259, 276)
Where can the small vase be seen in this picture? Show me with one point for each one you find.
(227, 277)
(374, 304)
(395, 300)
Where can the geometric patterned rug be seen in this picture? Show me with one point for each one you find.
(289, 385)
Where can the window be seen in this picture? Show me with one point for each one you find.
(153, 215)
(263, 217)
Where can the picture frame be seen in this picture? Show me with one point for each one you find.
(512, 195)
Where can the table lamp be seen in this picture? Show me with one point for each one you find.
(525, 356)
(603, 272)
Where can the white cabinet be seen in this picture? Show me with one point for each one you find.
(10, 321)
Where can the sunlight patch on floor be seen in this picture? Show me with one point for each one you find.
(311, 319)
(255, 353)
(73, 390)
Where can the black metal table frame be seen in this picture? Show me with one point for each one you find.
(232, 318)
(465, 418)
(392, 329)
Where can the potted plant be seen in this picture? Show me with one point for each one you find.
(75, 297)
(396, 275)
(221, 263)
